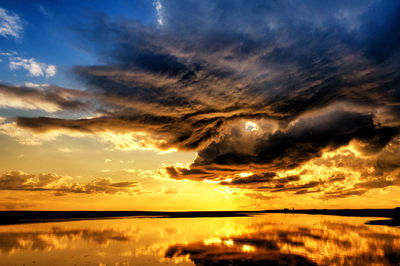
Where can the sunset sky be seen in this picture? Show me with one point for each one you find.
(199, 105)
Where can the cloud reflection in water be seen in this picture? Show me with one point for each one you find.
(273, 239)
(297, 240)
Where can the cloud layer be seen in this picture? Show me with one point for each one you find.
(312, 78)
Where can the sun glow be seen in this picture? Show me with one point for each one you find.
(217, 181)
(245, 174)
(212, 241)
(250, 126)
(229, 243)
(248, 248)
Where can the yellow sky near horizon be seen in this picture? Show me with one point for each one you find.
(84, 159)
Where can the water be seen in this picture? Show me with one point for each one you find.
(271, 239)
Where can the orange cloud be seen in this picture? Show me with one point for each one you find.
(17, 180)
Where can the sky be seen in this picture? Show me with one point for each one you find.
(199, 105)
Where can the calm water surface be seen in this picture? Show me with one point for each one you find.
(271, 239)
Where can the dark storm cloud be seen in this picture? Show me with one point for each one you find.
(299, 142)
(287, 148)
(16, 180)
(310, 74)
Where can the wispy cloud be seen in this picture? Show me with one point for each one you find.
(10, 24)
(158, 6)
(42, 10)
(41, 97)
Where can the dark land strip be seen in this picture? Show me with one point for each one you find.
(394, 214)
(19, 217)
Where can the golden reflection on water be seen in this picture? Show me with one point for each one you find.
(277, 239)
